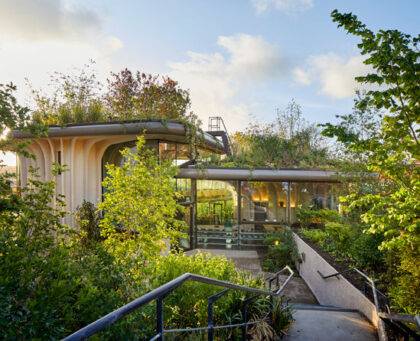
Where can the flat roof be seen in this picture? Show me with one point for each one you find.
(158, 128)
(260, 174)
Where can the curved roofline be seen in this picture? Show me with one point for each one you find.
(298, 175)
(125, 128)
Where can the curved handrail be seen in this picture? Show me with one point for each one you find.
(383, 317)
(159, 293)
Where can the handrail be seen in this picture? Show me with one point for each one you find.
(395, 320)
(159, 294)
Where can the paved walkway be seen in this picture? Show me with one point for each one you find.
(331, 325)
(312, 321)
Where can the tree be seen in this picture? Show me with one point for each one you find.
(143, 96)
(140, 201)
(290, 141)
(81, 98)
(392, 152)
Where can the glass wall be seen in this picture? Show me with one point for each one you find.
(263, 205)
(177, 152)
(315, 195)
(216, 203)
(216, 214)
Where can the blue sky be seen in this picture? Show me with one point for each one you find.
(240, 59)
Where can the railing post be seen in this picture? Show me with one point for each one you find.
(210, 325)
(245, 315)
(159, 318)
(244, 320)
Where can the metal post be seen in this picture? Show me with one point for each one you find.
(239, 210)
(193, 242)
(210, 325)
(288, 203)
(159, 318)
(244, 320)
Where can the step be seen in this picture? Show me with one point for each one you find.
(329, 323)
(303, 306)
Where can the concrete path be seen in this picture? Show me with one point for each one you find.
(319, 324)
(312, 321)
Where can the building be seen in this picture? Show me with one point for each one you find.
(228, 207)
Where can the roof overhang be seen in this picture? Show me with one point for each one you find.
(299, 175)
(154, 128)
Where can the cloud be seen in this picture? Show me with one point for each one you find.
(45, 19)
(334, 75)
(216, 80)
(301, 76)
(286, 6)
(38, 37)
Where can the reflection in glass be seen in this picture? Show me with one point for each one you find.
(264, 201)
(216, 203)
(317, 195)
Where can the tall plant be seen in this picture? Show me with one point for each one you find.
(140, 201)
(392, 152)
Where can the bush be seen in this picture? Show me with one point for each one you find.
(349, 243)
(310, 217)
(281, 251)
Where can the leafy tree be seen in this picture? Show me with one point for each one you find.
(290, 141)
(140, 201)
(140, 96)
(75, 98)
(81, 98)
(392, 209)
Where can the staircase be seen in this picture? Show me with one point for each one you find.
(318, 323)
(312, 321)
(217, 128)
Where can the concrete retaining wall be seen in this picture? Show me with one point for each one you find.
(338, 292)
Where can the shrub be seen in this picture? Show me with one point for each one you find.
(87, 219)
(281, 251)
(311, 217)
(318, 236)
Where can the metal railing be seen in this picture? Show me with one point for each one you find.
(396, 323)
(161, 292)
(217, 127)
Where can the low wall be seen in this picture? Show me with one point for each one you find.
(334, 291)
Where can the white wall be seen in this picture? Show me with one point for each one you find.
(338, 292)
(82, 155)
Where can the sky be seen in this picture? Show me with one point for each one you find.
(240, 59)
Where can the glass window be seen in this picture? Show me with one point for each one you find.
(264, 201)
(216, 203)
(315, 195)
(178, 153)
(167, 151)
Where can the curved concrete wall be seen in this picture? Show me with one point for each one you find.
(338, 292)
(81, 155)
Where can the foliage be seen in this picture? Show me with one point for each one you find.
(74, 99)
(392, 209)
(290, 141)
(312, 217)
(346, 242)
(87, 219)
(81, 98)
(14, 116)
(133, 96)
(140, 201)
(281, 251)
